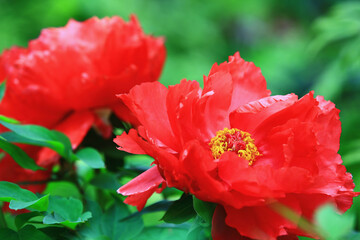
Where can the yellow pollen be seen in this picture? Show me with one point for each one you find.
(234, 140)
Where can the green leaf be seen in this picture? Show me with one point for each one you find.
(19, 156)
(10, 191)
(352, 236)
(332, 225)
(113, 226)
(2, 90)
(196, 232)
(21, 198)
(29, 232)
(156, 207)
(8, 234)
(162, 233)
(8, 120)
(37, 135)
(40, 204)
(91, 157)
(65, 209)
(62, 189)
(204, 209)
(21, 219)
(57, 219)
(105, 180)
(180, 211)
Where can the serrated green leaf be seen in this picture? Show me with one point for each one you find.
(91, 157)
(113, 226)
(180, 211)
(19, 156)
(63, 209)
(55, 218)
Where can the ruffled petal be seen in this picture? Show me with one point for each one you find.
(148, 102)
(248, 116)
(214, 103)
(108, 56)
(128, 142)
(248, 83)
(142, 187)
(181, 106)
(200, 167)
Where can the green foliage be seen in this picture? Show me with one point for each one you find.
(180, 210)
(111, 224)
(91, 157)
(40, 136)
(205, 210)
(334, 226)
(19, 155)
(20, 198)
(273, 34)
(67, 211)
(2, 90)
(26, 233)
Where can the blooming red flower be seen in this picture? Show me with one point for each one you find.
(233, 144)
(67, 80)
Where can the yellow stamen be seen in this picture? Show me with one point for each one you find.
(234, 140)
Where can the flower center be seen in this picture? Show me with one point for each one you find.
(234, 140)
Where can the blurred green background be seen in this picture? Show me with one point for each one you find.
(300, 45)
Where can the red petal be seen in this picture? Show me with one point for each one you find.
(128, 142)
(108, 56)
(328, 125)
(261, 222)
(75, 127)
(124, 113)
(142, 183)
(148, 102)
(248, 82)
(181, 106)
(142, 187)
(247, 117)
(201, 169)
(221, 231)
(214, 103)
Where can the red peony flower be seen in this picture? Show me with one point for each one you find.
(67, 80)
(233, 144)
